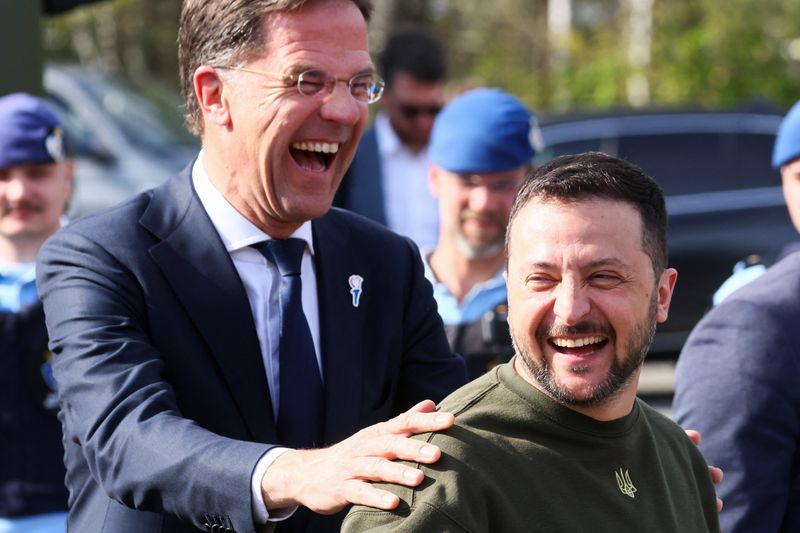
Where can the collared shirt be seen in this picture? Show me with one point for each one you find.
(238, 235)
(17, 285)
(261, 282)
(483, 297)
(410, 208)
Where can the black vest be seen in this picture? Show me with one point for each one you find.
(484, 343)
(31, 453)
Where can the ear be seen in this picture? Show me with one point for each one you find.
(434, 179)
(70, 175)
(665, 287)
(209, 90)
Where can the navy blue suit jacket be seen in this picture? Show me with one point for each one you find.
(162, 387)
(361, 190)
(738, 383)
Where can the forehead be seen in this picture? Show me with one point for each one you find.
(325, 33)
(33, 168)
(585, 230)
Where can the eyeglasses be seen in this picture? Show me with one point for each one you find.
(495, 184)
(365, 87)
(411, 111)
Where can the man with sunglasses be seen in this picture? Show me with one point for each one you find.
(221, 341)
(475, 175)
(387, 180)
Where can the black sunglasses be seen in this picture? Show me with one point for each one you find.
(410, 111)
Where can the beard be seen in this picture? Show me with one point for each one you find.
(471, 249)
(622, 368)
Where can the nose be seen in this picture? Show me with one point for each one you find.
(572, 302)
(15, 188)
(480, 198)
(340, 106)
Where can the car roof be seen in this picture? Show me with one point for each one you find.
(568, 128)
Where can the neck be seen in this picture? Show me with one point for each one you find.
(226, 180)
(20, 250)
(458, 273)
(613, 408)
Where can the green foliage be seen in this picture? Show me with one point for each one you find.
(703, 52)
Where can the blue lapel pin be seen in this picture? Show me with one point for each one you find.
(355, 282)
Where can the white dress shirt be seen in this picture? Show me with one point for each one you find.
(261, 281)
(410, 208)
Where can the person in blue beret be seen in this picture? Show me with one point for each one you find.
(482, 145)
(36, 178)
(736, 377)
(786, 159)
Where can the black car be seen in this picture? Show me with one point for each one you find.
(723, 199)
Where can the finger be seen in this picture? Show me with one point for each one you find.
(362, 493)
(716, 474)
(694, 435)
(395, 447)
(425, 406)
(719, 505)
(412, 422)
(383, 470)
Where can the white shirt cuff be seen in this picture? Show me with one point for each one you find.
(260, 513)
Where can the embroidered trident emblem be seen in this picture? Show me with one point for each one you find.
(624, 482)
(355, 282)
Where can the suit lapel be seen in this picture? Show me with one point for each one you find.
(341, 326)
(200, 271)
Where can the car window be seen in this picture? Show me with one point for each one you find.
(574, 147)
(692, 163)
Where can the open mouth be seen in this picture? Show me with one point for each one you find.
(314, 156)
(580, 346)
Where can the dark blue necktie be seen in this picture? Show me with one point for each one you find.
(300, 407)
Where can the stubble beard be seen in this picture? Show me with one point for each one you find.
(474, 251)
(617, 379)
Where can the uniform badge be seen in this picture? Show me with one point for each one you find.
(46, 369)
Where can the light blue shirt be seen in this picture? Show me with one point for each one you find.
(44, 523)
(17, 285)
(742, 275)
(483, 297)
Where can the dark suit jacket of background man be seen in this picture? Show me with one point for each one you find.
(737, 383)
(159, 366)
(361, 190)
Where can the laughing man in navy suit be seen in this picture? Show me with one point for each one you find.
(213, 335)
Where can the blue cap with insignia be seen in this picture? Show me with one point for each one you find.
(787, 142)
(481, 131)
(29, 132)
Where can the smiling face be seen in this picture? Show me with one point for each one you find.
(284, 154)
(33, 197)
(583, 301)
(474, 208)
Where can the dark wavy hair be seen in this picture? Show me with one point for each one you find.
(597, 175)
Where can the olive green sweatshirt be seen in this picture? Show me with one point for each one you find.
(516, 460)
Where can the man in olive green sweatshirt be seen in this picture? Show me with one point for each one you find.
(556, 440)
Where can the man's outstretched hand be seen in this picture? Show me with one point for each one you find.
(328, 479)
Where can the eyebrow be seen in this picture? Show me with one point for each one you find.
(597, 263)
(296, 70)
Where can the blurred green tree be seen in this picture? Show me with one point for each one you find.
(592, 53)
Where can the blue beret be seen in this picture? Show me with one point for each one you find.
(29, 132)
(787, 142)
(482, 131)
